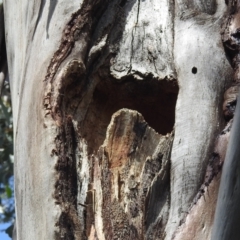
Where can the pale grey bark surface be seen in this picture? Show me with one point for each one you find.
(30, 45)
(69, 77)
(198, 110)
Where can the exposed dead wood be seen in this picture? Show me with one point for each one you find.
(109, 86)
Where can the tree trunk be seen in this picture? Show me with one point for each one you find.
(117, 111)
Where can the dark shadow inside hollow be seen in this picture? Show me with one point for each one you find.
(154, 99)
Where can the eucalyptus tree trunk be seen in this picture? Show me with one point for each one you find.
(119, 126)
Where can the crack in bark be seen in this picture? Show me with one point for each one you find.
(132, 42)
(66, 184)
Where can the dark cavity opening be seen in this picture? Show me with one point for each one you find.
(236, 35)
(194, 70)
(154, 99)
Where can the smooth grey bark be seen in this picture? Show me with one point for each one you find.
(28, 52)
(199, 94)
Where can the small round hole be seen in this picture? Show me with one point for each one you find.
(194, 70)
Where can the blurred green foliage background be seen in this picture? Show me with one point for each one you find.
(7, 210)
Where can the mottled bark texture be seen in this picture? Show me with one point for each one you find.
(117, 108)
